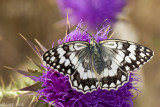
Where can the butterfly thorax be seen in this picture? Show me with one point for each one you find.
(94, 46)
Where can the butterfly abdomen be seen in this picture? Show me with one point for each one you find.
(98, 64)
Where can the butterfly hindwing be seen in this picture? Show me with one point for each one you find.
(84, 78)
(112, 75)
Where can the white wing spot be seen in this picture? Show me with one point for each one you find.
(52, 58)
(46, 54)
(69, 71)
(86, 88)
(74, 61)
(127, 68)
(80, 70)
(138, 62)
(121, 53)
(123, 78)
(142, 54)
(132, 56)
(133, 66)
(119, 58)
(105, 85)
(58, 66)
(132, 49)
(47, 58)
(92, 87)
(118, 82)
(147, 54)
(142, 60)
(112, 85)
(80, 86)
(79, 46)
(72, 56)
(128, 59)
(67, 63)
(110, 45)
(75, 83)
(62, 60)
(54, 64)
(52, 53)
(61, 52)
(71, 48)
(148, 50)
(119, 46)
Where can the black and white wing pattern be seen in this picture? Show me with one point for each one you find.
(120, 57)
(65, 58)
(92, 65)
(73, 59)
(112, 75)
(84, 78)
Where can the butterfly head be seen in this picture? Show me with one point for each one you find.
(93, 41)
(94, 46)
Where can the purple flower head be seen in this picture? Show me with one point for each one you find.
(57, 89)
(92, 12)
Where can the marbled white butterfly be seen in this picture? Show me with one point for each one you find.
(105, 64)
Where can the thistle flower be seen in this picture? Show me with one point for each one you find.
(55, 89)
(92, 12)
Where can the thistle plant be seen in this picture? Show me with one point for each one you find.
(53, 88)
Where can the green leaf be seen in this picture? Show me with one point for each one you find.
(34, 87)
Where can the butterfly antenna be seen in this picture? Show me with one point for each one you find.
(83, 30)
(107, 28)
(111, 35)
(102, 23)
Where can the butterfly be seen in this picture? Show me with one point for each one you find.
(106, 64)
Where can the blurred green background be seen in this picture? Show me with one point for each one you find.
(41, 18)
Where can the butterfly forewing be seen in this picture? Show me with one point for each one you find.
(66, 57)
(128, 55)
